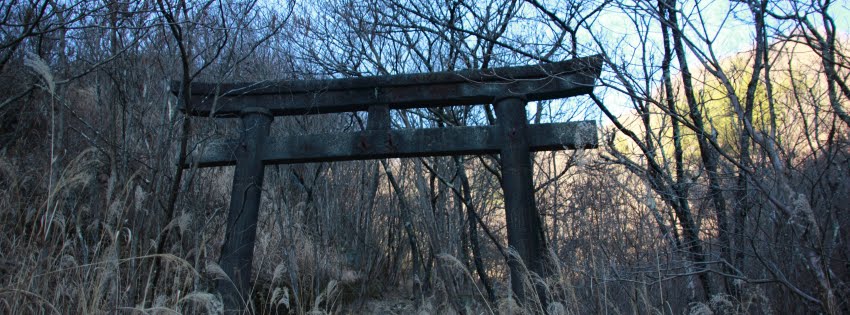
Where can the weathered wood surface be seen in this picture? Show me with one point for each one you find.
(469, 87)
(377, 144)
(238, 250)
(525, 231)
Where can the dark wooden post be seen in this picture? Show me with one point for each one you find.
(378, 118)
(525, 233)
(238, 250)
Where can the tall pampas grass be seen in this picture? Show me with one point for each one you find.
(42, 70)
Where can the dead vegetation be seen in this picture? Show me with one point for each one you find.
(97, 218)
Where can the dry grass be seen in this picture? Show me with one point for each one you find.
(59, 270)
(75, 259)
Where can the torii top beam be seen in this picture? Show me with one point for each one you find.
(468, 87)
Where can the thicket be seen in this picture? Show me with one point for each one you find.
(721, 185)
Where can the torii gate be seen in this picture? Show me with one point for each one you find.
(508, 89)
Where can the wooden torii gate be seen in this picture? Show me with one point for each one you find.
(508, 89)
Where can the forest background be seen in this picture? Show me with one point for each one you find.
(721, 184)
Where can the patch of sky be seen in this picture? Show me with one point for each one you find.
(717, 28)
